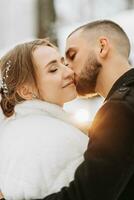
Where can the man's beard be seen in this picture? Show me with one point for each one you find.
(86, 83)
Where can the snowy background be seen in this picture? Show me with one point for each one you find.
(19, 22)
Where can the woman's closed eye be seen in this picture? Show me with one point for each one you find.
(53, 69)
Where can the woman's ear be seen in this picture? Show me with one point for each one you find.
(26, 92)
(104, 47)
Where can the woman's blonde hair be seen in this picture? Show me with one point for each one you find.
(17, 68)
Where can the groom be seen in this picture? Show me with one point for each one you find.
(98, 53)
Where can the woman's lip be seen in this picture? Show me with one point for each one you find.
(70, 83)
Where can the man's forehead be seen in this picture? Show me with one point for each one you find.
(73, 40)
(74, 36)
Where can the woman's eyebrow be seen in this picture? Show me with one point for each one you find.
(51, 62)
(54, 61)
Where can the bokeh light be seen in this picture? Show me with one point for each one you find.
(82, 116)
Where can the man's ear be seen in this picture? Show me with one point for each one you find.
(104, 47)
(25, 91)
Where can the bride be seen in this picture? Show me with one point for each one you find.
(40, 144)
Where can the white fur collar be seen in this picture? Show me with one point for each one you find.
(38, 107)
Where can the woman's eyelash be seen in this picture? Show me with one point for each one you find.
(53, 70)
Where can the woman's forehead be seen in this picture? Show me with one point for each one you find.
(45, 54)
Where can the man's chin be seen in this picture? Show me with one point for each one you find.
(83, 89)
(83, 93)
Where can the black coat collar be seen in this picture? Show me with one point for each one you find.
(123, 81)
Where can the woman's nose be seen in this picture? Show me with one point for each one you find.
(69, 72)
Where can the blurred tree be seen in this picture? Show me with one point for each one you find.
(130, 4)
(46, 20)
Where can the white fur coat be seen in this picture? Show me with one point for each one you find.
(39, 151)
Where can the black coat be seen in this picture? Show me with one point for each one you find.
(107, 172)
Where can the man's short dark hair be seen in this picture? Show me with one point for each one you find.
(108, 28)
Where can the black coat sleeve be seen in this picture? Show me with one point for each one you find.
(109, 159)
